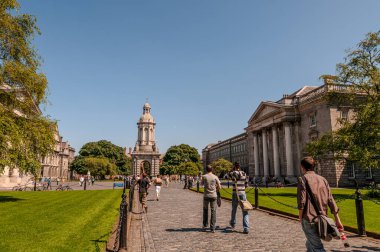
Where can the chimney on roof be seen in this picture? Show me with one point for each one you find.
(130, 150)
(328, 79)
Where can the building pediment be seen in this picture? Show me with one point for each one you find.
(264, 109)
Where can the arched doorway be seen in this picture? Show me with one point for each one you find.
(145, 167)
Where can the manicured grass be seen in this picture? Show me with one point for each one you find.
(57, 221)
(342, 196)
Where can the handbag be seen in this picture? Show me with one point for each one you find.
(326, 227)
(218, 199)
(245, 205)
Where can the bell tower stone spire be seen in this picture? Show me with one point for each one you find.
(145, 157)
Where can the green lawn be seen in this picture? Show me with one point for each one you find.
(57, 221)
(343, 197)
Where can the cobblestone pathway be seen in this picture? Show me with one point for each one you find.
(175, 222)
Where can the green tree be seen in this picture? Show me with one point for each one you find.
(357, 139)
(103, 149)
(179, 154)
(221, 166)
(189, 168)
(98, 166)
(25, 134)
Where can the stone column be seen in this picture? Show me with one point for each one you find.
(276, 157)
(296, 132)
(256, 154)
(265, 153)
(288, 151)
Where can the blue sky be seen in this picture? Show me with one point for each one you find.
(204, 65)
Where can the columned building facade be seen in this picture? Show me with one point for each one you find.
(278, 132)
(145, 156)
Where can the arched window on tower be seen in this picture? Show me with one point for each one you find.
(146, 135)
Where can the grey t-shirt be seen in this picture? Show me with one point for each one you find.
(210, 182)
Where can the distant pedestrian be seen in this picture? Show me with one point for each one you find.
(81, 180)
(144, 184)
(320, 192)
(58, 180)
(239, 179)
(49, 183)
(92, 180)
(158, 184)
(211, 185)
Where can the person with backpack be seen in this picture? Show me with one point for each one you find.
(158, 184)
(144, 184)
(314, 198)
(239, 180)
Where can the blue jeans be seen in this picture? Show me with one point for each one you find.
(235, 204)
(313, 242)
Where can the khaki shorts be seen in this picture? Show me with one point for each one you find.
(143, 198)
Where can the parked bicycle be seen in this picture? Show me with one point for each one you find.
(26, 187)
(43, 187)
(64, 188)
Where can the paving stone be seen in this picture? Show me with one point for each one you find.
(175, 225)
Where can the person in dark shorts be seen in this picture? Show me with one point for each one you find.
(144, 184)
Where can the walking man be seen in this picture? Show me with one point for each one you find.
(144, 184)
(211, 185)
(158, 184)
(81, 180)
(323, 198)
(239, 180)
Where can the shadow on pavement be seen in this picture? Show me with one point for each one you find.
(9, 199)
(360, 249)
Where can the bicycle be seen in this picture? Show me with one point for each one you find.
(64, 188)
(22, 188)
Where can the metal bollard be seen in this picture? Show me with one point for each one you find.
(360, 213)
(256, 197)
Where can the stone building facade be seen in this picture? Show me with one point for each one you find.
(234, 149)
(55, 165)
(145, 155)
(279, 131)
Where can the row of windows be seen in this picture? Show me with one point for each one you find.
(226, 151)
(313, 117)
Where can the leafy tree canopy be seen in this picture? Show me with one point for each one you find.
(25, 134)
(102, 149)
(221, 166)
(189, 168)
(357, 139)
(177, 155)
(98, 166)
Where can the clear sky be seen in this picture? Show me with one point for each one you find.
(204, 65)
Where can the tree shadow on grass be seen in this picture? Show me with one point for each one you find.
(98, 242)
(9, 199)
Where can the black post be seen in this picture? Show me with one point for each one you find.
(256, 197)
(85, 183)
(124, 210)
(360, 213)
(198, 185)
(35, 183)
(228, 183)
